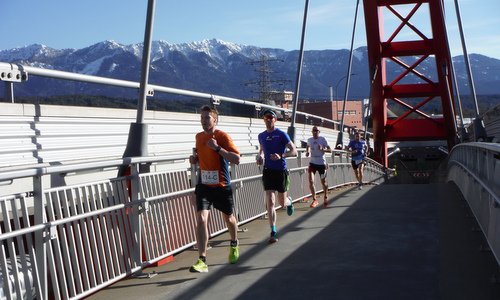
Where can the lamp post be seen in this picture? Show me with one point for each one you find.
(338, 82)
(137, 143)
(336, 94)
(291, 128)
(340, 137)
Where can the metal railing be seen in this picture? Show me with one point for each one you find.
(32, 134)
(475, 169)
(66, 241)
(23, 71)
(81, 238)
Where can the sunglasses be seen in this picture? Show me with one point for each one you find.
(268, 117)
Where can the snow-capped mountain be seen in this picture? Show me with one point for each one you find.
(218, 67)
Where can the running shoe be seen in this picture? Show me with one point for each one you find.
(274, 237)
(360, 186)
(314, 203)
(199, 267)
(234, 254)
(290, 209)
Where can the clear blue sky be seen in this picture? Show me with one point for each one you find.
(265, 23)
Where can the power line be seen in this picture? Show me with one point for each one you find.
(265, 87)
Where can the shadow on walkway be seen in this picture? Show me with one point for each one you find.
(384, 242)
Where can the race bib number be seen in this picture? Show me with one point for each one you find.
(209, 177)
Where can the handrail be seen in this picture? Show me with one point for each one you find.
(78, 167)
(47, 170)
(490, 147)
(474, 168)
(64, 75)
(478, 179)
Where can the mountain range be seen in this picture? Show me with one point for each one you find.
(223, 68)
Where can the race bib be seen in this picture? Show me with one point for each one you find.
(209, 177)
(358, 161)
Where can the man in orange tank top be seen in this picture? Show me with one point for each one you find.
(215, 150)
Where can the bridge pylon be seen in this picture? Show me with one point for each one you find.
(422, 91)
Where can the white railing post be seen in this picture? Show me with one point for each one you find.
(194, 178)
(42, 237)
(235, 186)
(137, 208)
(301, 172)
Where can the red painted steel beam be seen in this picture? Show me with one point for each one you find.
(410, 69)
(379, 51)
(416, 130)
(412, 90)
(412, 109)
(397, 2)
(443, 63)
(377, 66)
(409, 48)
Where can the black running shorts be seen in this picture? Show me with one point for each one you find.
(220, 197)
(276, 180)
(314, 167)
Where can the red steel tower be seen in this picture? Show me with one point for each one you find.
(409, 49)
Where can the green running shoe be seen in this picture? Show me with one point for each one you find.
(234, 254)
(290, 209)
(199, 267)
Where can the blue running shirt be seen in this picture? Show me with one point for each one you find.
(358, 148)
(274, 142)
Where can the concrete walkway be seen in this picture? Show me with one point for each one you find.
(384, 242)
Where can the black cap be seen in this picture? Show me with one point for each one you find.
(269, 111)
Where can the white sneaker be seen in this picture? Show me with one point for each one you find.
(360, 186)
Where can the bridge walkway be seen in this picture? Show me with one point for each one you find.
(393, 241)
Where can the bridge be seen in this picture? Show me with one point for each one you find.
(75, 225)
(365, 245)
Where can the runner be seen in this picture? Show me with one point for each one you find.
(273, 144)
(317, 146)
(214, 151)
(358, 147)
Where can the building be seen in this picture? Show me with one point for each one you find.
(281, 98)
(333, 110)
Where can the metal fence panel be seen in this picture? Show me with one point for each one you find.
(91, 220)
(169, 222)
(93, 232)
(18, 273)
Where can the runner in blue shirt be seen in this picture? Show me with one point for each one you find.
(358, 148)
(273, 144)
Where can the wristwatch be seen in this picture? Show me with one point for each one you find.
(218, 149)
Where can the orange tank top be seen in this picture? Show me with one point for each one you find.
(214, 169)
